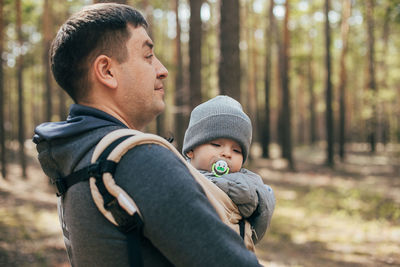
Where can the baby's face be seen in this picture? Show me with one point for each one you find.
(204, 156)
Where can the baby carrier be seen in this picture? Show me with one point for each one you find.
(120, 209)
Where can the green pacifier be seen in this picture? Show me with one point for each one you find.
(220, 168)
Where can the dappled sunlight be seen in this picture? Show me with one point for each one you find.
(339, 217)
(323, 217)
(30, 232)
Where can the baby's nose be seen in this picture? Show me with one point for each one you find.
(226, 153)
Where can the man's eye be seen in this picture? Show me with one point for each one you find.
(149, 56)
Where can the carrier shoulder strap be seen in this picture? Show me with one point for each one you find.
(224, 206)
(110, 199)
(118, 207)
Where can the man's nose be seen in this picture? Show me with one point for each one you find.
(162, 71)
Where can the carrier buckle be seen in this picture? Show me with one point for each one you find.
(61, 186)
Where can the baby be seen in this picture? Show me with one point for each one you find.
(217, 143)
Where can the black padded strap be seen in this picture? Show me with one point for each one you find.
(93, 170)
(134, 251)
(126, 223)
(129, 225)
(241, 228)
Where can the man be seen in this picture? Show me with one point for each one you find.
(104, 59)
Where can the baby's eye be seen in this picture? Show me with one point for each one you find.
(215, 144)
(237, 151)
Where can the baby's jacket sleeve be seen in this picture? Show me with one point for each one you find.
(261, 218)
(254, 199)
(240, 189)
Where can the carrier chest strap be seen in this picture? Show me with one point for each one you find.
(96, 169)
(131, 225)
(93, 170)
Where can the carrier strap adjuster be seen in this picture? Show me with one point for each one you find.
(93, 170)
(61, 186)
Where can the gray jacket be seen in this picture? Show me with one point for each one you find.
(254, 199)
(181, 228)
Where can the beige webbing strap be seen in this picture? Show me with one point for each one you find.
(220, 201)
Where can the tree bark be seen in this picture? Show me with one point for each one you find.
(252, 56)
(312, 98)
(2, 117)
(265, 126)
(300, 109)
(384, 115)
(180, 94)
(195, 53)
(279, 73)
(328, 89)
(371, 84)
(229, 64)
(286, 108)
(47, 23)
(21, 115)
(343, 77)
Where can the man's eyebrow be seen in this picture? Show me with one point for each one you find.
(148, 44)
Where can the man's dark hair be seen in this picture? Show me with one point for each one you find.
(97, 29)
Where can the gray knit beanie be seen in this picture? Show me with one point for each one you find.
(219, 117)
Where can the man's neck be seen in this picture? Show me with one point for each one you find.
(113, 112)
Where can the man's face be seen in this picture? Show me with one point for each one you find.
(141, 96)
(204, 156)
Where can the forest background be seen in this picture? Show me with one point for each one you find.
(319, 79)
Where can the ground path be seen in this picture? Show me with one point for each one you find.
(349, 216)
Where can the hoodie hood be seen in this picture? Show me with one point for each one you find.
(80, 120)
(68, 145)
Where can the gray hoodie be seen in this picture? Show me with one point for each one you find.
(181, 228)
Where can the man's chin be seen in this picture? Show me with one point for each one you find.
(160, 108)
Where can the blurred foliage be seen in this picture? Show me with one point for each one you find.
(29, 234)
(352, 202)
(307, 43)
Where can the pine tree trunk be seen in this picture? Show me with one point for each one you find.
(286, 108)
(279, 78)
(180, 94)
(343, 78)
(371, 84)
(252, 56)
(2, 116)
(195, 53)
(21, 115)
(328, 89)
(229, 65)
(301, 109)
(265, 126)
(384, 115)
(46, 48)
(312, 99)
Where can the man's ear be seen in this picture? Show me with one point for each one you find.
(104, 71)
(190, 154)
